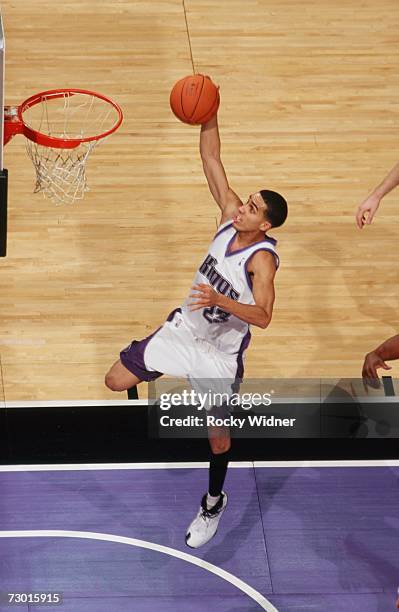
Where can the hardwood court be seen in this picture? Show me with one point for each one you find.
(309, 107)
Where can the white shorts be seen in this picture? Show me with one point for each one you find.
(175, 351)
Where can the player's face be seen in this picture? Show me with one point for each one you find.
(251, 215)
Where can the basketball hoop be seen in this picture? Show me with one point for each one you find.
(62, 127)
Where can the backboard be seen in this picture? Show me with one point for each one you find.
(2, 52)
(3, 172)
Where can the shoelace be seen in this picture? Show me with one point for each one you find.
(208, 513)
(205, 514)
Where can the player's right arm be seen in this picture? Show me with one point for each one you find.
(367, 209)
(227, 200)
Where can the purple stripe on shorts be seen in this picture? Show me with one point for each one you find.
(172, 314)
(132, 357)
(240, 356)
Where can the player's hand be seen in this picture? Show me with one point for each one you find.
(205, 296)
(369, 372)
(366, 210)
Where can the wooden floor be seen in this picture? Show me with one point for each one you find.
(309, 107)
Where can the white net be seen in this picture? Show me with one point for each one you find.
(61, 172)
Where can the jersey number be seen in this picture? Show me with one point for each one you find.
(216, 314)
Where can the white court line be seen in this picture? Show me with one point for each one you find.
(144, 402)
(74, 403)
(77, 467)
(330, 463)
(116, 466)
(214, 569)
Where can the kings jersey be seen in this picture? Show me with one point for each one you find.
(227, 272)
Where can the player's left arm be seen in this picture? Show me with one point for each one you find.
(262, 269)
(387, 351)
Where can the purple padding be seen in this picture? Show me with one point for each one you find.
(90, 569)
(324, 561)
(331, 539)
(332, 530)
(152, 505)
(313, 498)
(373, 602)
(157, 604)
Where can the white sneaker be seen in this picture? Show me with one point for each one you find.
(205, 524)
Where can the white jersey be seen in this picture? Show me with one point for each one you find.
(227, 273)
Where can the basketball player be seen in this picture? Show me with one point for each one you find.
(367, 209)
(206, 337)
(387, 351)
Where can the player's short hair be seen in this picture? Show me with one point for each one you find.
(276, 207)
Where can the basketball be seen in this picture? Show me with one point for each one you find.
(194, 99)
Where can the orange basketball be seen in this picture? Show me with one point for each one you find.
(194, 99)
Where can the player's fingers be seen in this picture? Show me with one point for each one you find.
(374, 383)
(201, 288)
(199, 302)
(369, 370)
(198, 299)
(363, 214)
(192, 308)
(369, 374)
(379, 364)
(372, 371)
(359, 218)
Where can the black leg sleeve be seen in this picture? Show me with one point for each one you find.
(217, 472)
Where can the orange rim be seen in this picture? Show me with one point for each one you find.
(63, 143)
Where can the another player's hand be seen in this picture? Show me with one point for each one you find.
(366, 210)
(205, 296)
(370, 366)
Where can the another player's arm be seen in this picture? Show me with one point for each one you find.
(367, 209)
(227, 200)
(387, 351)
(262, 267)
